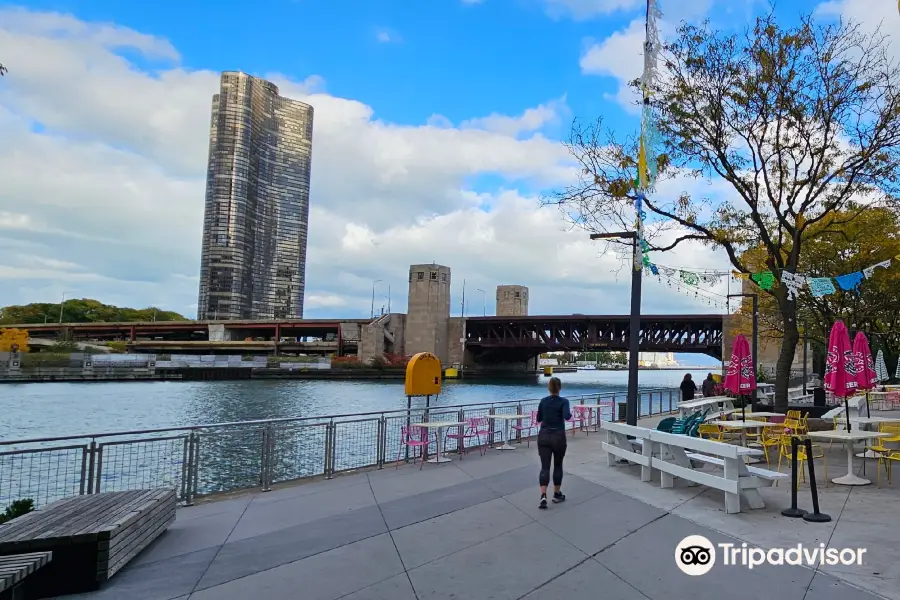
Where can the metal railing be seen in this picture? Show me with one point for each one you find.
(207, 459)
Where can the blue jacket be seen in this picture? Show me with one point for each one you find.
(553, 412)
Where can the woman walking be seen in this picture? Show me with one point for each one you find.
(552, 414)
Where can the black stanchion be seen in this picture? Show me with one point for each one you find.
(793, 511)
(815, 516)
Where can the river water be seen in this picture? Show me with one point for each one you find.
(58, 409)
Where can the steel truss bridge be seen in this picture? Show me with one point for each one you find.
(502, 339)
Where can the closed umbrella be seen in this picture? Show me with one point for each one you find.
(741, 376)
(866, 378)
(840, 367)
(897, 372)
(881, 367)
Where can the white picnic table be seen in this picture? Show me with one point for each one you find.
(506, 419)
(848, 436)
(439, 425)
(764, 414)
(684, 408)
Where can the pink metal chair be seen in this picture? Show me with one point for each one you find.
(463, 433)
(527, 425)
(892, 399)
(413, 437)
(580, 416)
(481, 426)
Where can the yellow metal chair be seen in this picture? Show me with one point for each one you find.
(878, 444)
(771, 437)
(711, 432)
(784, 451)
(887, 459)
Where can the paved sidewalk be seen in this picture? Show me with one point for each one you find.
(472, 529)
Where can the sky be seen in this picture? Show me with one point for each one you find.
(437, 128)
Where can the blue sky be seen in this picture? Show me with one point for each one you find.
(437, 126)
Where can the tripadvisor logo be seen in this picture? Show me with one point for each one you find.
(696, 555)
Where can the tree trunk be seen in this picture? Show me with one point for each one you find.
(786, 356)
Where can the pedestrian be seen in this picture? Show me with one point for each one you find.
(709, 386)
(688, 388)
(552, 414)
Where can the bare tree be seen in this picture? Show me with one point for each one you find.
(3, 70)
(802, 122)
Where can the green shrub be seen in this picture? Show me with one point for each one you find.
(17, 509)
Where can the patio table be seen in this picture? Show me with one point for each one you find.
(848, 436)
(439, 425)
(744, 426)
(506, 419)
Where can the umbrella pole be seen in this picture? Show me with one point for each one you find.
(743, 408)
(847, 412)
(868, 414)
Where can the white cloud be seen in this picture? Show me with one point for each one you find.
(870, 16)
(103, 166)
(387, 36)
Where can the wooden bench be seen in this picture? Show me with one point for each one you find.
(737, 482)
(92, 537)
(14, 569)
(635, 450)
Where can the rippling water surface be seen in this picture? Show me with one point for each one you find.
(56, 409)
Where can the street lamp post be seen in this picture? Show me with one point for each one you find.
(631, 403)
(755, 298)
(61, 306)
(483, 302)
(373, 296)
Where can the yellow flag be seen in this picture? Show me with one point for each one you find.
(642, 166)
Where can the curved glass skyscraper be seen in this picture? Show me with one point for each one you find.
(253, 259)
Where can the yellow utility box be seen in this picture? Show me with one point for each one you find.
(451, 373)
(423, 375)
(548, 371)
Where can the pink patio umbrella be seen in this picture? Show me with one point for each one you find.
(866, 376)
(840, 367)
(741, 376)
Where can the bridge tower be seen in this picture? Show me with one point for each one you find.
(512, 301)
(428, 313)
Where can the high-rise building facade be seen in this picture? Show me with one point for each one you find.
(253, 260)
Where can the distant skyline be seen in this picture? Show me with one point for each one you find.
(437, 129)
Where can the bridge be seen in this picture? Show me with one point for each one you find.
(488, 340)
(501, 339)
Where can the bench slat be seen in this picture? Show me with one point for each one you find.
(757, 471)
(17, 567)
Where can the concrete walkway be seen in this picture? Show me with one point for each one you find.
(471, 529)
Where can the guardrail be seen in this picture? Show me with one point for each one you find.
(200, 460)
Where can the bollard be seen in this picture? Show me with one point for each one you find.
(793, 511)
(815, 516)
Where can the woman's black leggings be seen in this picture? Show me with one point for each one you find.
(551, 445)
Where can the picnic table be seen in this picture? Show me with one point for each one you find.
(685, 408)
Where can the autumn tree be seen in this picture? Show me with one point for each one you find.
(800, 121)
(874, 307)
(13, 339)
